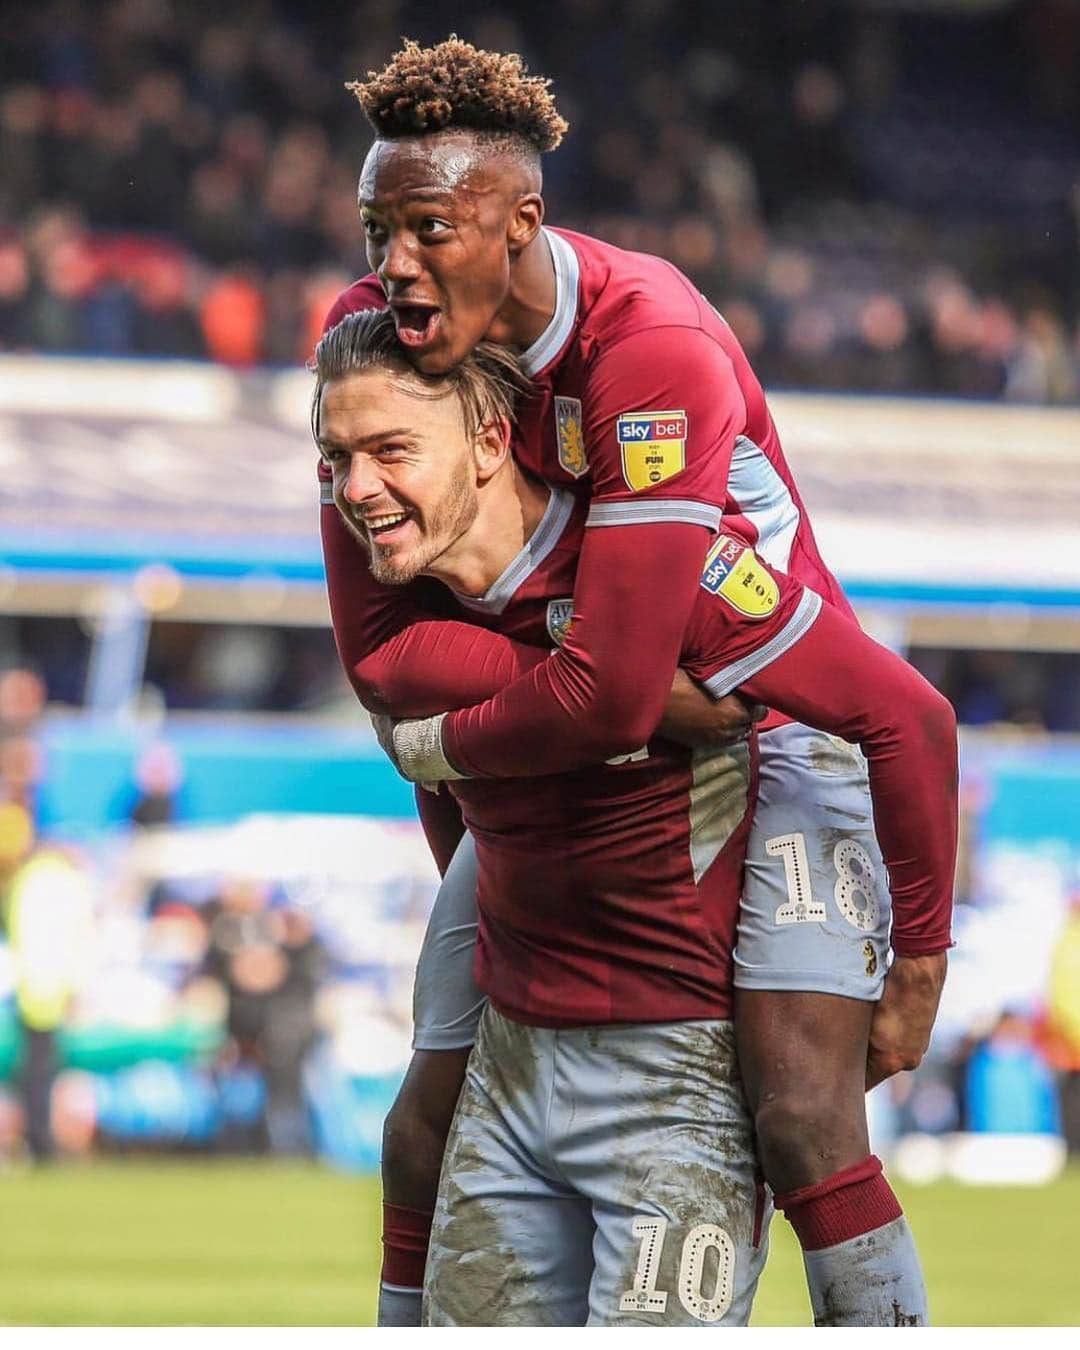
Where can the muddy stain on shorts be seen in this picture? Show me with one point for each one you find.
(477, 1275)
(512, 1060)
(474, 1274)
(832, 756)
(694, 1101)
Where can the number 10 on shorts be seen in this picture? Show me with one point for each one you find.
(855, 892)
(706, 1237)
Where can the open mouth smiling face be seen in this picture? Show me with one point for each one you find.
(384, 527)
(434, 220)
(400, 459)
(417, 324)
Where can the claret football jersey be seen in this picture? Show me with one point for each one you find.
(644, 402)
(613, 416)
(611, 893)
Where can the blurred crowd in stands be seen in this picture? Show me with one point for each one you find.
(875, 199)
(1032, 692)
(155, 993)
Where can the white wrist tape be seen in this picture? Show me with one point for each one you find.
(419, 752)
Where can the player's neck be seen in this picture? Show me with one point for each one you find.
(510, 507)
(530, 303)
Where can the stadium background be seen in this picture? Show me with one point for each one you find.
(883, 197)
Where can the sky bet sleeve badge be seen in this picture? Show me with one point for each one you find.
(571, 441)
(733, 572)
(653, 446)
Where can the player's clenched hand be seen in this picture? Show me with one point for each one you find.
(383, 727)
(904, 1018)
(691, 717)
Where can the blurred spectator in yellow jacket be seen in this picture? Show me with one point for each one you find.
(48, 915)
(1064, 1022)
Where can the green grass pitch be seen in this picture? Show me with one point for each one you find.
(226, 1243)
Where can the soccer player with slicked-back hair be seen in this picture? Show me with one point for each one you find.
(601, 1154)
(644, 403)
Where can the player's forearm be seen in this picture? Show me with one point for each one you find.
(913, 782)
(839, 680)
(436, 665)
(603, 694)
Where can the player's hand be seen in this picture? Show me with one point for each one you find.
(383, 727)
(904, 1018)
(692, 717)
(414, 747)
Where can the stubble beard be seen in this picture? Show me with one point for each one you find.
(448, 521)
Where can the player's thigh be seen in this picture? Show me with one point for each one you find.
(446, 1001)
(659, 1138)
(816, 910)
(803, 1063)
(511, 1245)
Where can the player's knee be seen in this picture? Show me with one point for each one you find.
(807, 1132)
(411, 1156)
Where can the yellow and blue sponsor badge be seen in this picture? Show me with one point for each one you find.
(653, 446)
(737, 575)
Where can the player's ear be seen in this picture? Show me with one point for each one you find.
(523, 225)
(492, 447)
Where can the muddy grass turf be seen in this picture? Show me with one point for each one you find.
(261, 1244)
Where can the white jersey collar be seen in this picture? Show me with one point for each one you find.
(543, 539)
(551, 341)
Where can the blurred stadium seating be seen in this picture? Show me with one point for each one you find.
(180, 189)
(879, 194)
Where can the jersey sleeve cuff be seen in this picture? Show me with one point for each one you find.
(653, 511)
(730, 677)
(924, 946)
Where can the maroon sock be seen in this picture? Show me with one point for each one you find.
(405, 1244)
(843, 1206)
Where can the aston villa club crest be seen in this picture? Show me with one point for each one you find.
(570, 436)
(560, 615)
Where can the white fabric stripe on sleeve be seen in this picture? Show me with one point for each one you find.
(765, 500)
(326, 493)
(806, 611)
(654, 512)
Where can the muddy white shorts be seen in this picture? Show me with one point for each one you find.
(598, 1175)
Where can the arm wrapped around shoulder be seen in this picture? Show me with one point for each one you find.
(604, 691)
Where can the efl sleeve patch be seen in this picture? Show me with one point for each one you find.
(737, 575)
(653, 446)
